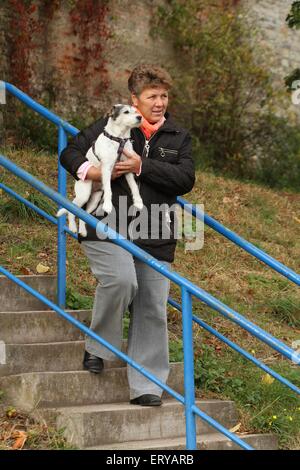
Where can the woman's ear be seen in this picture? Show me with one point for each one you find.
(134, 100)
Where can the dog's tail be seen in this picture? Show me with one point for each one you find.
(61, 212)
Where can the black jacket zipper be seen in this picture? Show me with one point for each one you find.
(145, 153)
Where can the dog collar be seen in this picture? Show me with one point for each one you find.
(122, 143)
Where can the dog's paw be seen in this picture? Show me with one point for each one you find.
(62, 211)
(138, 203)
(107, 207)
(73, 228)
(83, 232)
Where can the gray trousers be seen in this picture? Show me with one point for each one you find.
(124, 282)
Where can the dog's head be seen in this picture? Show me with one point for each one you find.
(125, 116)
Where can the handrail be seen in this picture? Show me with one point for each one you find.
(35, 208)
(152, 262)
(211, 330)
(208, 299)
(40, 109)
(211, 222)
(187, 287)
(238, 349)
(244, 244)
(126, 358)
(189, 399)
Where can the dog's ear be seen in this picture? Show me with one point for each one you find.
(115, 111)
(110, 112)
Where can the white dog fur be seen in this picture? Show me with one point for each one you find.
(122, 119)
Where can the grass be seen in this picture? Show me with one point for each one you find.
(20, 431)
(269, 219)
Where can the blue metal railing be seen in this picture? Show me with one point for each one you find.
(189, 396)
(187, 287)
(65, 127)
(244, 244)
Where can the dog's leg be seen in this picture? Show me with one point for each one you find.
(137, 200)
(91, 206)
(83, 191)
(106, 176)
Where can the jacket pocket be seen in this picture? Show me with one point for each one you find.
(166, 154)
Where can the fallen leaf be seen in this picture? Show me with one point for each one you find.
(41, 268)
(297, 220)
(21, 438)
(235, 428)
(267, 379)
(11, 412)
(25, 271)
(226, 200)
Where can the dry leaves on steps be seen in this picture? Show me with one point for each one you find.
(20, 437)
(235, 428)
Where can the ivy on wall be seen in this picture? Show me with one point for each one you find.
(88, 20)
(80, 64)
(23, 27)
(89, 33)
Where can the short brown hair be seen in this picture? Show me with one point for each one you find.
(146, 76)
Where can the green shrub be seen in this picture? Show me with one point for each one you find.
(221, 82)
(224, 94)
(30, 129)
(176, 350)
(76, 301)
(276, 145)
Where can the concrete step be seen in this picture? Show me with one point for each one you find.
(57, 389)
(14, 298)
(40, 326)
(107, 424)
(211, 441)
(43, 357)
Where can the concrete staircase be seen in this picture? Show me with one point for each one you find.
(43, 374)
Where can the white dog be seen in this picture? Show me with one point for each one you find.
(105, 151)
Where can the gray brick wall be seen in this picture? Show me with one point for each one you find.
(282, 44)
(129, 21)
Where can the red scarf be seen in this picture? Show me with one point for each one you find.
(148, 128)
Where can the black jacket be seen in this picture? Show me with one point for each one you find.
(167, 171)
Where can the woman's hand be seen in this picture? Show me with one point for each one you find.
(131, 165)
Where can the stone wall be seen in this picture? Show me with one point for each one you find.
(59, 53)
(58, 56)
(281, 43)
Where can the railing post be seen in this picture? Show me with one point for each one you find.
(189, 384)
(61, 235)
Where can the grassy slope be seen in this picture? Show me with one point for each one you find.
(268, 219)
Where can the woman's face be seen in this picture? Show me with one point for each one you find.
(152, 103)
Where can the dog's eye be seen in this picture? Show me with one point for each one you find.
(126, 112)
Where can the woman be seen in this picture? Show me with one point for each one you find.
(164, 169)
